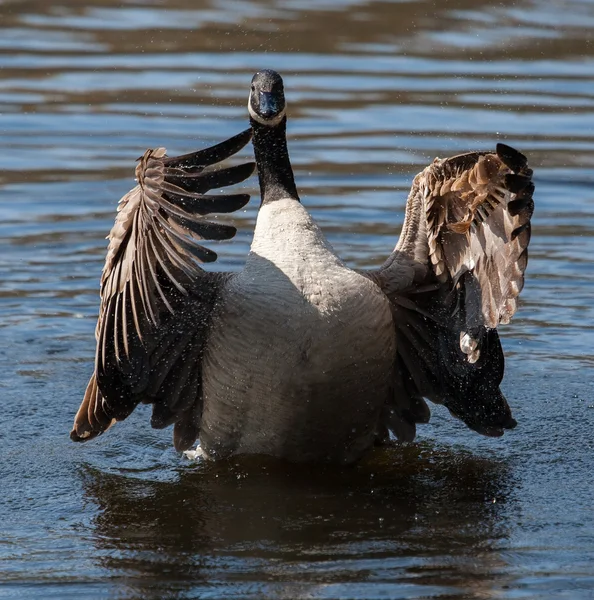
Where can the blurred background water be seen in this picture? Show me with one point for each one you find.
(376, 90)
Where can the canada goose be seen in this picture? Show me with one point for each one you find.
(298, 356)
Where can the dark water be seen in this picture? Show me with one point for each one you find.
(375, 90)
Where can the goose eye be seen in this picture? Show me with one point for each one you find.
(253, 88)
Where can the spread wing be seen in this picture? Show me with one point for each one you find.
(156, 300)
(454, 275)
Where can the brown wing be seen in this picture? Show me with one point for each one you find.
(478, 220)
(155, 298)
(454, 275)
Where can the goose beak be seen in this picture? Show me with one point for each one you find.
(268, 105)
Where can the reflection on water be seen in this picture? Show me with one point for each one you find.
(376, 89)
(425, 516)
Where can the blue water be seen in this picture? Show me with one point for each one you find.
(375, 91)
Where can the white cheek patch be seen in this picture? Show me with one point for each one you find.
(270, 122)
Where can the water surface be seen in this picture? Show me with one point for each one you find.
(375, 91)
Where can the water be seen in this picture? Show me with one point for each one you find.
(375, 91)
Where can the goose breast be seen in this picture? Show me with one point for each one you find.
(299, 358)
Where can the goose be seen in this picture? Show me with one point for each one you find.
(297, 355)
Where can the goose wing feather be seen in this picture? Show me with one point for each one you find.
(156, 300)
(454, 275)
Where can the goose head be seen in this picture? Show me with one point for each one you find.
(266, 103)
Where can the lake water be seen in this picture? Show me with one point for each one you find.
(375, 91)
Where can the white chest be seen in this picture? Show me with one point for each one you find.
(299, 338)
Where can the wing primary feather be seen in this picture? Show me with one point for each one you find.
(106, 323)
(133, 285)
(163, 266)
(179, 236)
(125, 319)
(139, 269)
(203, 180)
(176, 211)
(211, 155)
(519, 230)
(93, 400)
(155, 278)
(182, 250)
(102, 344)
(192, 230)
(197, 209)
(204, 230)
(223, 177)
(116, 320)
(516, 183)
(208, 203)
(512, 159)
(146, 295)
(515, 207)
(176, 250)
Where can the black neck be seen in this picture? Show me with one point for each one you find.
(272, 157)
